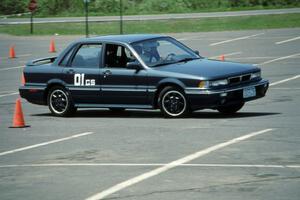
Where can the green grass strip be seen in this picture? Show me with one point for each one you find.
(170, 26)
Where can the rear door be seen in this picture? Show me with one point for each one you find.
(82, 73)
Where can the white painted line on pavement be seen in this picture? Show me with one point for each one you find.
(171, 165)
(280, 58)
(18, 56)
(10, 94)
(228, 54)
(182, 39)
(6, 92)
(146, 164)
(9, 68)
(285, 80)
(289, 40)
(197, 37)
(24, 55)
(285, 88)
(235, 39)
(205, 38)
(45, 143)
(255, 57)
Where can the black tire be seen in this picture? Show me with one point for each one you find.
(230, 109)
(172, 102)
(60, 102)
(117, 109)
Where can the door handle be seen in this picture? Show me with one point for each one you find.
(107, 73)
(71, 71)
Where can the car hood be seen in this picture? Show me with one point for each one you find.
(208, 69)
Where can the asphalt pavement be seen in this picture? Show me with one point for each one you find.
(138, 154)
(6, 21)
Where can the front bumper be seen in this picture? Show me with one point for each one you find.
(206, 98)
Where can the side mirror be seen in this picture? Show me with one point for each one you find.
(134, 65)
(197, 52)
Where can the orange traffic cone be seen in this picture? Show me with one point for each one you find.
(52, 47)
(12, 53)
(222, 57)
(18, 120)
(23, 81)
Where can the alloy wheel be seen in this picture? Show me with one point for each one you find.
(174, 103)
(58, 101)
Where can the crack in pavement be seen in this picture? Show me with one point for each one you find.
(199, 189)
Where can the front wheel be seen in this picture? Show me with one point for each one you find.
(230, 109)
(60, 103)
(172, 102)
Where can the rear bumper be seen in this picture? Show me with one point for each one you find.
(33, 94)
(205, 98)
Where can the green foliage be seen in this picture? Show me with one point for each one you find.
(111, 7)
(12, 6)
(105, 6)
(54, 7)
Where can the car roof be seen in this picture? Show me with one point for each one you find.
(129, 38)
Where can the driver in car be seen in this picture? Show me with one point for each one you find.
(148, 52)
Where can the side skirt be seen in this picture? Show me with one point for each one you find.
(113, 106)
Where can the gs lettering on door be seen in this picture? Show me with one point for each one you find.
(79, 80)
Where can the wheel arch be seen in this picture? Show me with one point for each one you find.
(165, 83)
(51, 84)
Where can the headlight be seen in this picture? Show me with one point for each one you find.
(219, 82)
(256, 75)
(203, 84)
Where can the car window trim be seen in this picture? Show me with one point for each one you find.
(74, 46)
(119, 44)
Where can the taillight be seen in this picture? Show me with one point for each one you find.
(23, 81)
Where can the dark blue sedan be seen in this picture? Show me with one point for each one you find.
(141, 72)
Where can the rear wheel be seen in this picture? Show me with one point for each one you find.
(172, 102)
(60, 103)
(230, 109)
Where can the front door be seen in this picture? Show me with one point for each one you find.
(121, 85)
(82, 74)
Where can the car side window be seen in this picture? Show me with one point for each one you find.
(88, 56)
(117, 56)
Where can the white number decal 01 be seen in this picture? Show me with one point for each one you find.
(80, 81)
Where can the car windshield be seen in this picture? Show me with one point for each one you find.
(163, 51)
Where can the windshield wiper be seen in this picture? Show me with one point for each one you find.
(186, 59)
(168, 63)
(162, 64)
